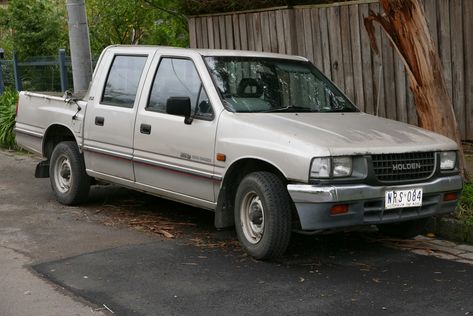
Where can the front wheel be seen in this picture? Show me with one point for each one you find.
(263, 215)
(69, 180)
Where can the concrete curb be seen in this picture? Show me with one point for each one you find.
(451, 229)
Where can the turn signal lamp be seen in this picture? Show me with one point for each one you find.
(339, 209)
(450, 196)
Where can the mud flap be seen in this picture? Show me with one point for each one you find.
(42, 169)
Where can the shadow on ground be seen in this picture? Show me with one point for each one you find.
(198, 270)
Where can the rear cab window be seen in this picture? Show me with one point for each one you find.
(123, 79)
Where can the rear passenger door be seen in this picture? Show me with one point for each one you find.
(111, 114)
(173, 158)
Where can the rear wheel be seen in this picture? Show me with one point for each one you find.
(263, 215)
(407, 229)
(69, 180)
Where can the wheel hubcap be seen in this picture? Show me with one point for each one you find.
(252, 217)
(62, 174)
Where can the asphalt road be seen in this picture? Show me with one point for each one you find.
(112, 254)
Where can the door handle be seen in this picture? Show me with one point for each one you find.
(99, 120)
(145, 129)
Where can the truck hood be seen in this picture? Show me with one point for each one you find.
(346, 133)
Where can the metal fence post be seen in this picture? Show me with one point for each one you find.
(62, 69)
(16, 73)
(2, 84)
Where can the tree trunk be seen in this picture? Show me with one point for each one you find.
(405, 24)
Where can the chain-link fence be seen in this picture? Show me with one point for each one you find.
(44, 74)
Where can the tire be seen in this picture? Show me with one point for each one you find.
(407, 229)
(69, 181)
(263, 215)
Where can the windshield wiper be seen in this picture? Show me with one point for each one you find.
(289, 108)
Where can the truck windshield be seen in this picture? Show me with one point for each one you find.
(255, 84)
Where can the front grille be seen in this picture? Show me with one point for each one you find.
(403, 167)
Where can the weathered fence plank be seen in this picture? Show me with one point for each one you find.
(205, 33)
(445, 41)
(236, 31)
(357, 58)
(334, 38)
(401, 93)
(273, 32)
(300, 36)
(323, 24)
(192, 35)
(198, 31)
(347, 52)
(221, 25)
(458, 65)
(378, 71)
(468, 36)
(308, 37)
(290, 32)
(210, 32)
(216, 31)
(229, 32)
(265, 33)
(368, 74)
(316, 38)
(243, 32)
(335, 43)
(280, 32)
(389, 81)
(431, 15)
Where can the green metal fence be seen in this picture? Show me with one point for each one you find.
(43, 73)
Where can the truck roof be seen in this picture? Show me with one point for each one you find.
(206, 52)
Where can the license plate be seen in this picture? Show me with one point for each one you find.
(403, 198)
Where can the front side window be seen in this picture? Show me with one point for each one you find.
(123, 80)
(255, 84)
(179, 78)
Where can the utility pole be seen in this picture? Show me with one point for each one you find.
(80, 45)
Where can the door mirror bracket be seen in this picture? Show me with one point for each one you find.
(180, 106)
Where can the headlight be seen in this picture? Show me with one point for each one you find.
(320, 168)
(448, 160)
(327, 167)
(342, 166)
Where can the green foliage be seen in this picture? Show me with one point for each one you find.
(7, 118)
(465, 205)
(39, 27)
(33, 27)
(149, 22)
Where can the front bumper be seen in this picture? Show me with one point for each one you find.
(366, 203)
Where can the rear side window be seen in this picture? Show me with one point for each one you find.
(122, 81)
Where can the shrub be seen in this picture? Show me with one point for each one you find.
(7, 118)
(465, 205)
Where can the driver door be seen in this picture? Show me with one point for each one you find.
(173, 158)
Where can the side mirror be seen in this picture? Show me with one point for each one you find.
(180, 106)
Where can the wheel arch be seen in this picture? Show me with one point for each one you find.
(224, 216)
(55, 134)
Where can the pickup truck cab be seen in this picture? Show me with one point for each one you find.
(265, 141)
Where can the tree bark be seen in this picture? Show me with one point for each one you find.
(405, 25)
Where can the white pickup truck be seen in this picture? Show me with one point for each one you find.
(265, 141)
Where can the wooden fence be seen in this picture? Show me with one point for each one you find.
(334, 38)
